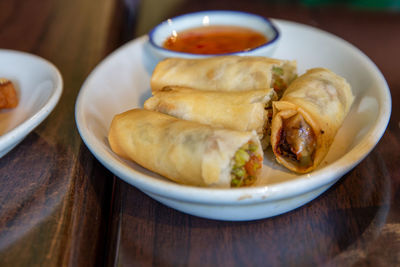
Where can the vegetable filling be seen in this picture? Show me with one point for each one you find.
(246, 162)
(297, 141)
(278, 83)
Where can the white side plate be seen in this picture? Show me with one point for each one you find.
(39, 86)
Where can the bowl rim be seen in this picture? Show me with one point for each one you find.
(216, 12)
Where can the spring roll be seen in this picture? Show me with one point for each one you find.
(225, 73)
(8, 95)
(186, 152)
(242, 110)
(306, 119)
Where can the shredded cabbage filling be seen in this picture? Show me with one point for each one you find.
(278, 83)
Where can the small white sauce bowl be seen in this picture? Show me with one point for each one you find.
(164, 30)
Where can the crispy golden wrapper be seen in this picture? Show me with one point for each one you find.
(183, 151)
(241, 110)
(307, 118)
(224, 73)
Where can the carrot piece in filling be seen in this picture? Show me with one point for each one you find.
(247, 162)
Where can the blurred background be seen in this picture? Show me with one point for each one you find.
(153, 11)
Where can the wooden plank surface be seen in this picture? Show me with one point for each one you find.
(59, 206)
(53, 194)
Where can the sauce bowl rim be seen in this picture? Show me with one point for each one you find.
(214, 12)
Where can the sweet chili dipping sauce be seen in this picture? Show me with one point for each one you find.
(216, 39)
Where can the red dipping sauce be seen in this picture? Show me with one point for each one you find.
(216, 39)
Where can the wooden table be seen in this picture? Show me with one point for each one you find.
(60, 206)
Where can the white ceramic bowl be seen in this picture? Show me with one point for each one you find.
(38, 84)
(277, 190)
(161, 32)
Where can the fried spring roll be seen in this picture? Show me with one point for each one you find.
(186, 152)
(8, 95)
(307, 117)
(242, 110)
(225, 73)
